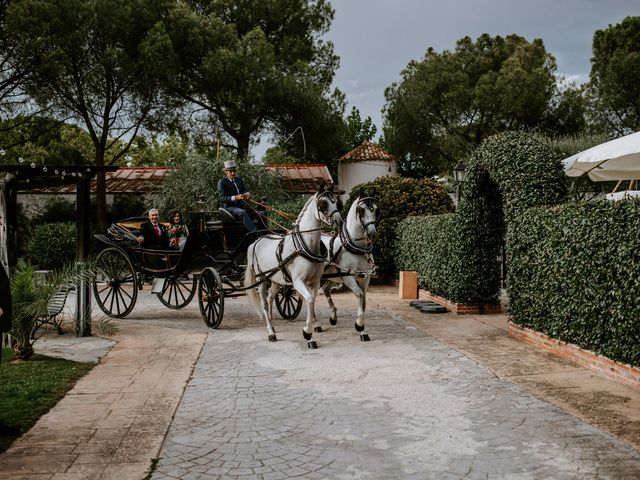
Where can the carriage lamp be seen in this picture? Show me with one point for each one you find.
(459, 176)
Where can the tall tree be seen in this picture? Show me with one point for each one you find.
(358, 130)
(92, 62)
(449, 102)
(248, 63)
(615, 70)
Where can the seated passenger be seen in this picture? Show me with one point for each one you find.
(232, 193)
(178, 232)
(153, 234)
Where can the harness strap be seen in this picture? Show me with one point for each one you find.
(281, 264)
(350, 245)
(304, 249)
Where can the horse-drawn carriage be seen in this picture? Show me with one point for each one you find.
(211, 265)
(221, 260)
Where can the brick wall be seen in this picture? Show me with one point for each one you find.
(621, 372)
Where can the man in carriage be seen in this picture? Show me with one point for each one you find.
(232, 193)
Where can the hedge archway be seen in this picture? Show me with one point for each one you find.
(509, 172)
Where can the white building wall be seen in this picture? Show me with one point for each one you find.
(351, 174)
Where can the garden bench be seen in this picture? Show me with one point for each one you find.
(55, 306)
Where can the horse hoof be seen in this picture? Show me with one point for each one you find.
(272, 338)
(364, 337)
(333, 321)
(317, 329)
(359, 328)
(307, 336)
(312, 344)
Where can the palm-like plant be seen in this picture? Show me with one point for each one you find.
(30, 293)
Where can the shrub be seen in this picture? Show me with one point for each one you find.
(574, 275)
(52, 245)
(398, 198)
(55, 210)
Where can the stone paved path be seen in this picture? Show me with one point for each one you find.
(403, 406)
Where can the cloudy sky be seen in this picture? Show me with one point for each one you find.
(376, 39)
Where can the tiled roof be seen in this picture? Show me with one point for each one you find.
(367, 151)
(123, 180)
(300, 177)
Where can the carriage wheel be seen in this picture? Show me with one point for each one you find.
(177, 291)
(211, 297)
(115, 286)
(288, 302)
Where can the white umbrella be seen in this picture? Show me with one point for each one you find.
(618, 159)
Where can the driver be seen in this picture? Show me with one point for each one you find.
(232, 193)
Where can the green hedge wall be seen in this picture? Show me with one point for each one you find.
(574, 275)
(398, 198)
(425, 245)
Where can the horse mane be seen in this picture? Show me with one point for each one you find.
(304, 209)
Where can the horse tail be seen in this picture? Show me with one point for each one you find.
(250, 279)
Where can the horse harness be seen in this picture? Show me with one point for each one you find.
(301, 248)
(352, 247)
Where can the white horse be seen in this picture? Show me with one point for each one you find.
(350, 258)
(297, 258)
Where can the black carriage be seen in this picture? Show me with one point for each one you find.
(210, 267)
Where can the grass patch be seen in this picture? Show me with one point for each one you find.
(29, 389)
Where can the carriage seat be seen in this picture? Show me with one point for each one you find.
(222, 217)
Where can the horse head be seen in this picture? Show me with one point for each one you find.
(367, 213)
(328, 206)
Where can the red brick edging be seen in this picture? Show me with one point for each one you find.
(621, 372)
(460, 308)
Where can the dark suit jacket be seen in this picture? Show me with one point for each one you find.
(226, 190)
(150, 238)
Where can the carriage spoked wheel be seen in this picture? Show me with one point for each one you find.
(115, 286)
(288, 302)
(210, 297)
(178, 290)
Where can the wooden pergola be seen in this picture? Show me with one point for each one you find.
(22, 178)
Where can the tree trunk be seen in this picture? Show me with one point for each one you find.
(243, 145)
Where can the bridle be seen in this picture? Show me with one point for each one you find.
(349, 244)
(320, 213)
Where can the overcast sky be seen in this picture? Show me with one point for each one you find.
(376, 39)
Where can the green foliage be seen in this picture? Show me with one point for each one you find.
(55, 210)
(426, 245)
(52, 245)
(127, 205)
(615, 68)
(449, 102)
(29, 389)
(398, 198)
(30, 294)
(358, 130)
(508, 173)
(198, 177)
(574, 275)
(249, 64)
(291, 206)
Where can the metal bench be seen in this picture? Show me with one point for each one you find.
(55, 307)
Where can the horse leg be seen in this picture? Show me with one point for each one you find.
(271, 295)
(326, 288)
(359, 289)
(266, 311)
(309, 298)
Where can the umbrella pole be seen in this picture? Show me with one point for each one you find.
(615, 189)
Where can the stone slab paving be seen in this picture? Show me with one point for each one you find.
(403, 406)
(113, 422)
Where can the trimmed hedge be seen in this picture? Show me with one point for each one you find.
(398, 198)
(425, 245)
(52, 245)
(574, 275)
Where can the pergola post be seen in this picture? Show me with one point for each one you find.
(83, 298)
